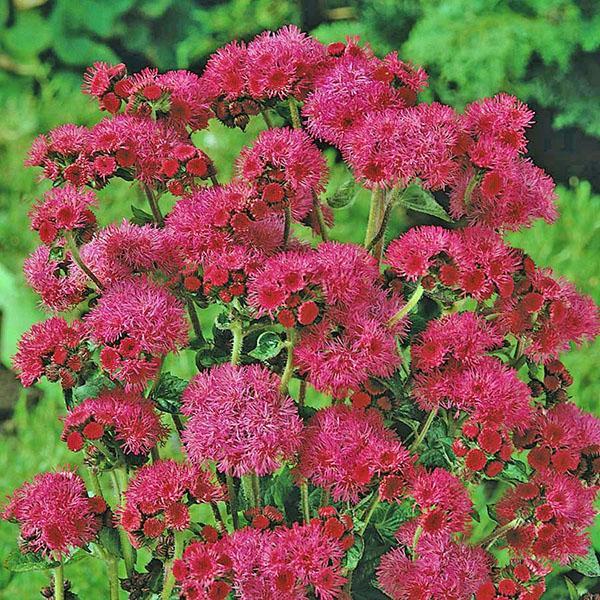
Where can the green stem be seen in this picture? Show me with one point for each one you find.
(113, 578)
(294, 114)
(304, 501)
(499, 532)
(59, 582)
(320, 219)
(169, 581)
(289, 363)
(415, 541)
(267, 117)
(376, 214)
(380, 235)
(214, 180)
(256, 488)
(158, 218)
(154, 454)
(77, 258)
(469, 189)
(214, 508)
(120, 483)
(412, 302)
(195, 320)
(248, 489)
(238, 340)
(178, 424)
(424, 430)
(95, 482)
(232, 500)
(302, 393)
(369, 513)
(287, 224)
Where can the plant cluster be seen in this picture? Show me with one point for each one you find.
(349, 399)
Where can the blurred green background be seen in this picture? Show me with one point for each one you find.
(545, 51)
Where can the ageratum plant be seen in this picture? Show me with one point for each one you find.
(351, 401)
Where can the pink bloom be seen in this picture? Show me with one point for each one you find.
(157, 497)
(138, 322)
(101, 77)
(344, 448)
(59, 281)
(240, 419)
(224, 75)
(443, 570)
(284, 166)
(65, 208)
(130, 418)
(52, 348)
(54, 512)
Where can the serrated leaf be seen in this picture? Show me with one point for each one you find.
(355, 553)
(268, 345)
(344, 196)
(109, 538)
(416, 198)
(19, 562)
(140, 217)
(167, 393)
(587, 565)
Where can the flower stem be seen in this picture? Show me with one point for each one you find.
(289, 363)
(499, 532)
(294, 114)
(255, 479)
(158, 218)
(369, 513)
(469, 189)
(120, 483)
(424, 430)
(169, 580)
(113, 578)
(77, 258)
(302, 393)
(232, 500)
(304, 502)
(267, 117)
(320, 219)
(416, 537)
(287, 225)
(376, 215)
(248, 489)
(412, 302)
(195, 320)
(238, 340)
(59, 582)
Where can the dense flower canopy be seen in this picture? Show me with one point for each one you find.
(334, 406)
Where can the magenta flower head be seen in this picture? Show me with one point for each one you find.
(54, 512)
(158, 497)
(344, 449)
(128, 418)
(64, 209)
(239, 419)
(52, 348)
(137, 322)
(285, 167)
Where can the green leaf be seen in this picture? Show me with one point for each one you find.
(92, 387)
(515, 471)
(140, 217)
(109, 538)
(19, 562)
(344, 196)
(587, 565)
(355, 553)
(278, 489)
(573, 593)
(268, 345)
(167, 393)
(30, 34)
(420, 200)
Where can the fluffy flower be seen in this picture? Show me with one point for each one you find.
(444, 570)
(54, 512)
(157, 498)
(555, 511)
(240, 419)
(130, 418)
(284, 165)
(138, 322)
(52, 348)
(344, 448)
(58, 280)
(224, 72)
(63, 209)
(394, 146)
(443, 500)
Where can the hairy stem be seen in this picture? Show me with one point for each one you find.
(238, 340)
(415, 541)
(232, 500)
(376, 215)
(267, 117)
(77, 258)
(412, 302)
(249, 489)
(302, 393)
(369, 512)
(152, 200)
(489, 540)
(255, 480)
(195, 320)
(304, 501)
(287, 225)
(120, 483)
(289, 363)
(294, 114)
(113, 577)
(169, 580)
(59, 582)
(426, 426)
(320, 219)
